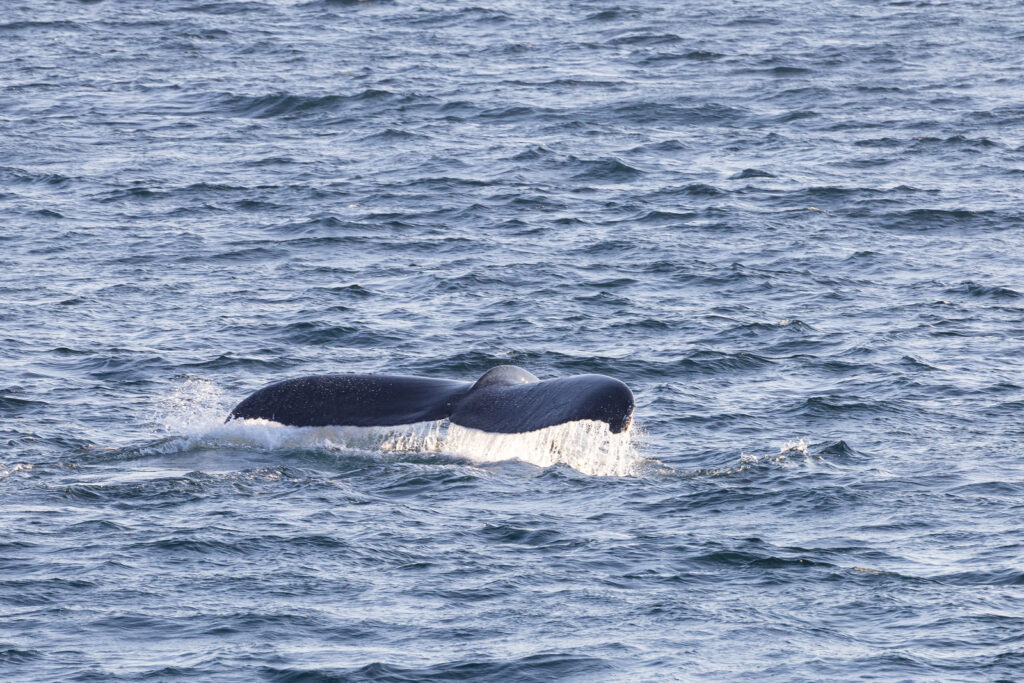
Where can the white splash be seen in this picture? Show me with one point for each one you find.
(587, 446)
(195, 411)
(267, 435)
(14, 468)
(193, 408)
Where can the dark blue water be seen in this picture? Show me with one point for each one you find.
(793, 228)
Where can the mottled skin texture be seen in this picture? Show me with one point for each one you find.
(506, 399)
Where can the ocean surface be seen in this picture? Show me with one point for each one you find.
(794, 229)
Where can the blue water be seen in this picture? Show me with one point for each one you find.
(793, 228)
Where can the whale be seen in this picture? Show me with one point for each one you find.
(506, 399)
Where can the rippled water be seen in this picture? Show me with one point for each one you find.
(794, 229)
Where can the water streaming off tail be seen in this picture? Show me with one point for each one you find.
(587, 446)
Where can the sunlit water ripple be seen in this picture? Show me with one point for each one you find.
(792, 228)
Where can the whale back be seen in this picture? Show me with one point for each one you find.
(504, 375)
(506, 399)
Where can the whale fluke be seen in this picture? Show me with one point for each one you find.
(505, 399)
